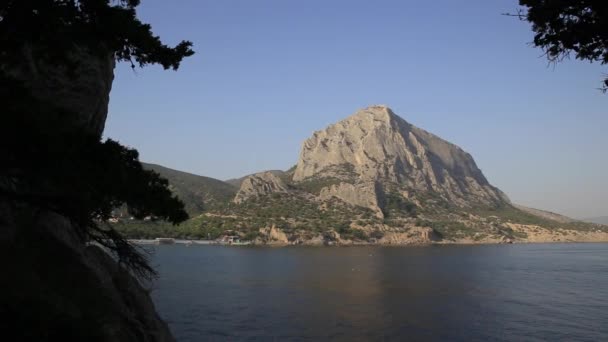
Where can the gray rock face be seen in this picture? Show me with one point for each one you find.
(82, 88)
(259, 184)
(381, 147)
(362, 194)
(274, 235)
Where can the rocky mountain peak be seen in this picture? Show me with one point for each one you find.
(375, 113)
(376, 145)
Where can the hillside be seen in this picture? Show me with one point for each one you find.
(237, 181)
(370, 178)
(545, 214)
(598, 220)
(197, 192)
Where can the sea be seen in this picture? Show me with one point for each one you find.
(520, 292)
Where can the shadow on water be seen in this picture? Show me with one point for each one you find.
(440, 292)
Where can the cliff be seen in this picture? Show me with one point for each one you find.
(378, 146)
(80, 85)
(56, 286)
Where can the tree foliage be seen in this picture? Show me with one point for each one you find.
(57, 26)
(563, 27)
(47, 161)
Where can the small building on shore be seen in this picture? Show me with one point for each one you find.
(229, 237)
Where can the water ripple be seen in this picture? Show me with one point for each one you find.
(457, 293)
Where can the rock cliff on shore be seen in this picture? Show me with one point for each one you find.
(56, 286)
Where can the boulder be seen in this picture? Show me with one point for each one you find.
(274, 235)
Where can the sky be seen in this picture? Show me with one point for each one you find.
(266, 74)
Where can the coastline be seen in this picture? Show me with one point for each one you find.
(411, 236)
(154, 242)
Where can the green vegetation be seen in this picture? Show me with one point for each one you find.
(284, 176)
(395, 205)
(565, 27)
(301, 216)
(352, 234)
(286, 211)
(434, 203)
(508, 213)
(199, 193)
(343, 173)
(198, 228)
(314, 185)
(511, 214)
(287, 176)
(448, 229)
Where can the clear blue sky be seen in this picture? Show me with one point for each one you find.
(268, 73)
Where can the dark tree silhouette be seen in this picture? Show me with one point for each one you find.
(99, 25)
(563, 27)
(50, 163)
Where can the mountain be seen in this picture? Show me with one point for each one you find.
(370, 178)
(598, 220)
(375, 151)
(197, 192)
(237, 181)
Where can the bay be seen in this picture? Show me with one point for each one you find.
(528, 292)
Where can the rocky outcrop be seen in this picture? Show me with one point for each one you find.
(317, 240)
(428, 234)
(260, 184)
(273, 235)
(238, 181)
(362, 194)
(81, 86)
(414, 235)
(381, 147)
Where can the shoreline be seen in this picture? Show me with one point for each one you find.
(156, 242)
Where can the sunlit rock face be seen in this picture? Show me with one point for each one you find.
(375, 146)
(365, 195)
(259, 184)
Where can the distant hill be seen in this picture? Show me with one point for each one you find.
(546, 214)
(598, 220)
(198, 193)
